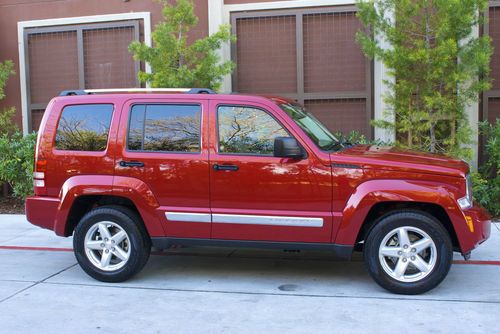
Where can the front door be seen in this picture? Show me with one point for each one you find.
(164, 145)
(256, 196)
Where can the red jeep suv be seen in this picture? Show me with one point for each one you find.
(125, 170)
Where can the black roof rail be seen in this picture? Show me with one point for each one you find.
(73, 92)
(201, 91)
(137, 90)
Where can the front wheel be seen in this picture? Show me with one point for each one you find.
(110, 244)
(408, 252)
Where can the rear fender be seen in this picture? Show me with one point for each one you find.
(143, 198)
(76, 186)
(133, 189)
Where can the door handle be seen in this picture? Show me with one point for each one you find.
(131, 164)
(233, 168)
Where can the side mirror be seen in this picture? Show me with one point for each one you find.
(287, 147)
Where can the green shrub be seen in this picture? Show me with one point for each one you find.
(355, 137)
(487, 193)
(16, 162)
(486, 182)
(16, 151)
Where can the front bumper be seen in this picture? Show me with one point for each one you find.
(478, 222)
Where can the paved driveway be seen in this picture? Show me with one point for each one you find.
(194, 290)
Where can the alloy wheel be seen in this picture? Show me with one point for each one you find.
(107, 246)
(407, 254)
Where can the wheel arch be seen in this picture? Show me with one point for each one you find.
(375, 198)
(383, 209)
(80, 194)
(85, 203)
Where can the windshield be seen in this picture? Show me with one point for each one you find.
(313, 128)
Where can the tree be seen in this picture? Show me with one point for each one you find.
(7, 126)
(437, 65)
(174, 63)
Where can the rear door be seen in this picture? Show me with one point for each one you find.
(164, 144)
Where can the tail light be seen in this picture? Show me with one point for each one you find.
(39, 176)
(41, 151)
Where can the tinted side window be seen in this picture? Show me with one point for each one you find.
(84, 127)
(136, 128)
(247, 130)
(165, 128)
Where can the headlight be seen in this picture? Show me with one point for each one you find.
(466, 202)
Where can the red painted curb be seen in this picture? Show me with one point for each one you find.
(60, 249)
(478, 262)
(29, 248)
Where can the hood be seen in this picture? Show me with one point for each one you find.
(391, 158)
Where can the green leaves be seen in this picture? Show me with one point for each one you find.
(438, 66)
(16, 151)
(486, 182)
(6, 70)
(175, 62)
(16, 162)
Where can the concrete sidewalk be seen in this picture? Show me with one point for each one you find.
(193, 290)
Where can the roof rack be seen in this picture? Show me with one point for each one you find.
(137, 90)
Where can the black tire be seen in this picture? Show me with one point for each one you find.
(412, 219)
(139, 242)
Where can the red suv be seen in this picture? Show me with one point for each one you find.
(126, 170)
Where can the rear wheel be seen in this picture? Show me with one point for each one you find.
(408, 252)
(110, 244)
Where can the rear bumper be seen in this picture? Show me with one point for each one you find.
(478, 222)
(42, 211)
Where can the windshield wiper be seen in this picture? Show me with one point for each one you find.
(342, 146)
(333, 145)
(347, 144)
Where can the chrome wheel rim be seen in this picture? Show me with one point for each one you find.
(407, 254)
(107, 246)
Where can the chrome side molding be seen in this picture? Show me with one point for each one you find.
(220, 218)
(189, 217)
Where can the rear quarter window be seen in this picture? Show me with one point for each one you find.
(84, 127)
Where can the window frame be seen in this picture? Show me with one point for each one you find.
(54, 142)
(200, 140)
(253, 107)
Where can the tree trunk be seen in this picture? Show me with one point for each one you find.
(5, 189)
(432, 132)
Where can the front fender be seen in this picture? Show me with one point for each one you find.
(372, 192)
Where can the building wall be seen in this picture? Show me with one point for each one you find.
(13, 11)
(237, 2)
(310, 55)
(491, 99)
(212, 13)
